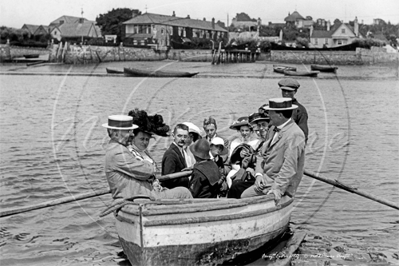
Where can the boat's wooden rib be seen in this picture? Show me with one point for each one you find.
(134, 72)
(199, 232)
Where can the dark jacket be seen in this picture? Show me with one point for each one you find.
(204, 181)
(300, 116)
(173, 162)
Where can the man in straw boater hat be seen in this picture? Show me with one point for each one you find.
(279, 167)
(289, 88)
(127, 175)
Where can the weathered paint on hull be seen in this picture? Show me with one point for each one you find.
(201, 238)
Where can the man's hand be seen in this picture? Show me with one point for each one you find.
(260, 182)
(277, 195)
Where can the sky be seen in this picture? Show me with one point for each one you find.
(15, 13)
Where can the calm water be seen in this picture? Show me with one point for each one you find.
(52, 145)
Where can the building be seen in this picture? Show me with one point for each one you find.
(295, 19)
(338, 34)
(74, 29)
(158, 30)
(244, 22)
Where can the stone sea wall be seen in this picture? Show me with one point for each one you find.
(376, 55)
(8, 52)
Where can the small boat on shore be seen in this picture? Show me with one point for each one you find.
(280, 68)
(301, 73)
(323, 68)
(199, 231)
(134, 72)
(113, 71)
(28, 56)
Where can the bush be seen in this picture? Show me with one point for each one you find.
(368, 43)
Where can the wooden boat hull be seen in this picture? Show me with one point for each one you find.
(203, 232)
(133, 72)
(114, 71)
(322, 68)
(280, 69)
(31, 56)
(300, 73)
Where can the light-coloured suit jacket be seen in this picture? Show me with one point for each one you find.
(282, 161)
(128, 175)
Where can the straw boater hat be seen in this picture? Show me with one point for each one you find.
(120, 122)
(242, 121)
(219, 141)
(201, 149)
(257, 117)
(288, 84)
(280, 104)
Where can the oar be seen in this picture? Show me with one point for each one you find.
(338, 184)
(82, 196)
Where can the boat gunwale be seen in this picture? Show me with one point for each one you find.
(202, 219)
(129, 71)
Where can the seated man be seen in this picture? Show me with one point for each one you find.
(173, 160)
(204, 182)
(128, 175)
(280, 170)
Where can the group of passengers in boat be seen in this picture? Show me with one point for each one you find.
(265, 157)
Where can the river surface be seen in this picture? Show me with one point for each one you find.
(52, 146)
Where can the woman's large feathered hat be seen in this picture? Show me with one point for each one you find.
(151, 124)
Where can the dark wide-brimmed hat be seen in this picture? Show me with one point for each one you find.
(150, 124)
(242, 121)
(201, 149)
(120, 122)
(257, 117)
(280, 104)
(288, 84)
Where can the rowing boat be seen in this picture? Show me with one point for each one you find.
(280, 69)
(301, 73)
(199, 231)
(323, 68)
(134, 72)
(113, 71)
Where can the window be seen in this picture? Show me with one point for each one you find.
(315, 41)
(339, 42)
(326, 41)
(342, 30)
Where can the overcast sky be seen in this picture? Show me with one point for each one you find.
(15, 13)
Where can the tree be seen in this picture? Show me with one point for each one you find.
(111, 22)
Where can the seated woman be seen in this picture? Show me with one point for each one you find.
(242, 176)
(205, 179)
(243, 126)
(146, 167)
(217, 153)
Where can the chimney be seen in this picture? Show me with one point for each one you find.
(81, 20)
(204, 19)
(188, 16)
(356, 27)
(213, 23)
(328, 25)
(259, 22)
(173, 14)
(311, 31)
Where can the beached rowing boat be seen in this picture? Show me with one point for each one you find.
(323, 68)
(134, 72)
(301, 73)
(113, 71)
(199, 231)
(280, 69)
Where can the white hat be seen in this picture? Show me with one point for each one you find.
(219, 141)
(280, 104)
(121, 122)
(192, 128)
